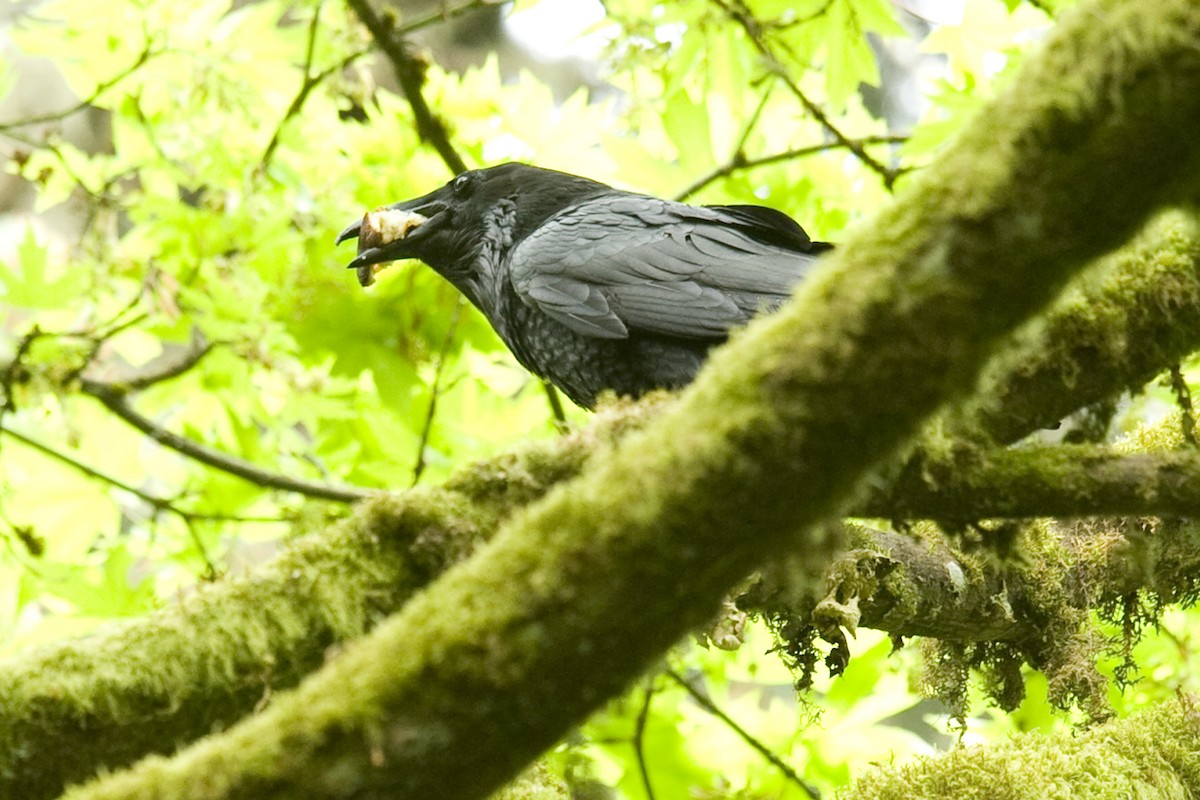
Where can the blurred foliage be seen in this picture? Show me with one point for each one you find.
(243, 140)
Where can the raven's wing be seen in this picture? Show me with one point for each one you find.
(622, 262)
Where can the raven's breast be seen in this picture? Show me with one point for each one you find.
(582, 367)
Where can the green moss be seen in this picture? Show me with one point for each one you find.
(537, 783)
(1115, 328)
(1152, 755)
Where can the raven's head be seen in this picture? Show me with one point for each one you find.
(451, 228)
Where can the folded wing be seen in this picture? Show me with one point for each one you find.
(624, 263)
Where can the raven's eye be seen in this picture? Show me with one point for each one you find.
(462, 182)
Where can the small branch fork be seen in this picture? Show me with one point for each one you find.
(737, 11)
(314, 79)
(739, 161)
(114, 392)
(708, 705)
(409, 72)
(114, 395)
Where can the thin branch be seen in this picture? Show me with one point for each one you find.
(557, 412)
(445, 14)
(435, 390)
(114, 395)
(210, 568)
(639, 736)
(754, 31)
(739, 161)
(112, 391)
(171, 363)
(116, 401)
(312, 81)
(1183, 396)
(739, 151)
(306, 86)
(708, 705)
(410, 73)
(153, 500)
(101, 88)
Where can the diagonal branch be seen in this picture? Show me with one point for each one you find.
(705, 702)
(409, 73)
(737, 11)
(113, 392)
(740, 161)
(102, 87)
(157, 502)
(116, 400)
(436, 389)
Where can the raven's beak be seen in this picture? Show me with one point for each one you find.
(349, 232)
(379, 234)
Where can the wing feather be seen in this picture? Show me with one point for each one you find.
(623, 263)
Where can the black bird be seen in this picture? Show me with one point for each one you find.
(590, 287)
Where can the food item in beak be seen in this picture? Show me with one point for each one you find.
(381, 227)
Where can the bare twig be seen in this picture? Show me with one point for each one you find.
(171, 363)
(116, 401)
(210, 568)
(739, 161)
(114, 394)
(153, 500)
(739, 13)
(444, 14)
(738, 158)
(708, 705)
(113, 391)
(102, 87)
(410, 74)
(311, 81)
(306, 86)
(639, 736)
(557, 413)
(435, 390)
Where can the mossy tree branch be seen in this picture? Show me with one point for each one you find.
(1063, 481)
(231, 651)
(475, 676)
(1155, 754)
(1109, 334)
(1136, 315)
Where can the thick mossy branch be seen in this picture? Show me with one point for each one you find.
(576, 595)
(113, 697)
(1127, 320)
(995, 616)
(1149, 756)
(179, 674)
(1065, 481)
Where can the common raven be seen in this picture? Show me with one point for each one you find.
(590, 287)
